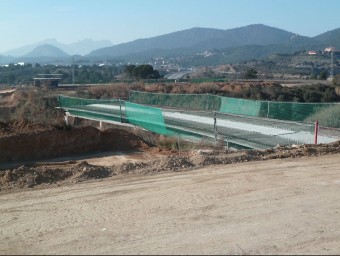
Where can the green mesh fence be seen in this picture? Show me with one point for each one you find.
(328, 117)
(245, 131)
(240, 106)
(154, 119)
(66, 101)
(294, 111)
(147, 117)
(184, 101)
(290, 111)
(92, 108)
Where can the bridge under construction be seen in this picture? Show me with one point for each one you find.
(239, 131)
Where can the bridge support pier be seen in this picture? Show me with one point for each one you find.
(69, 120)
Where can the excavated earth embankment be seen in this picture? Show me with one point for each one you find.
(26, 141)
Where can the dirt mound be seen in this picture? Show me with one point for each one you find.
(221, 88)
(7, 98)
(84, 171)
(238, 87)
(27, 176)
(177, 163)
(16, 127)
(11, 98)
(25, 141)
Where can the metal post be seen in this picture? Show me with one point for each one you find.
(120, 109)
(316, 129)
(207, 101)
(179, 146)
(73, 80)
(268, 110)
(215, 126)
(332, 67)
(66, 120)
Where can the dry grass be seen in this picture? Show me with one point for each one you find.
(35, 105)
(117, 90)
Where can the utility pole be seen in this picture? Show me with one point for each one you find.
(73, 72)
(331, 73)
(215, 126)
(120, 109)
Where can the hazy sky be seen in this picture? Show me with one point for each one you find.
(28, 21)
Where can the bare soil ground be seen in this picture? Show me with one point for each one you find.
(279, 206)
(10, 97)
(107, 200)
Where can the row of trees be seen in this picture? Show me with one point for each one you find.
(17, 74)
(316, 93)
(142, 72)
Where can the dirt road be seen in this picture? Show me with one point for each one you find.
(272, 207)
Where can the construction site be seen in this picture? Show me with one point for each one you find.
(147, 172)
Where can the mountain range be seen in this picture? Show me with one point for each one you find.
(200, 39)
(82, 47)
(231, 45)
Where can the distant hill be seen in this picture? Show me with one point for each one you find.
(198, 39)
(46, 50)
(183, 47)
(5, 59)
(174, 40)
(82, 47)
(331, 38)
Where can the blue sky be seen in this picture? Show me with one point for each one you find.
(28, 21)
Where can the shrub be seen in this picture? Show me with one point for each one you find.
(328, 117)
(117, 90)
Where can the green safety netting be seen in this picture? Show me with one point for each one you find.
(184, 101)
(240, 106)
(152, 119)
(241, 129)
(290, 111)
(92, 108)
(66, 101)
(294, 111)
(147, 117)
(327, 116)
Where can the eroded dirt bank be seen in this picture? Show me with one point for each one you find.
(25, 141)
(55, 174)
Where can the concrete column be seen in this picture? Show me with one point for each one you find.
(69, 120)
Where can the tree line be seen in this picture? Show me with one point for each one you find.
(17, 74)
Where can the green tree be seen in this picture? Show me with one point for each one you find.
(323, 75)
(336, 80)
(251, 73)
(142, 72)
